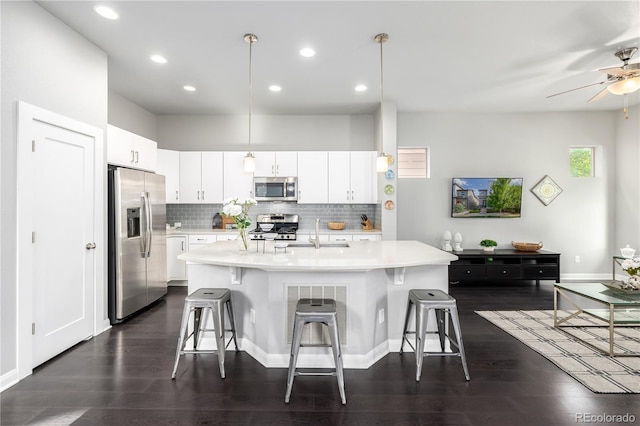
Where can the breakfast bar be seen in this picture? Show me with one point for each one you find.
(369, 280)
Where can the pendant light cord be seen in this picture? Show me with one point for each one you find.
(250, 87)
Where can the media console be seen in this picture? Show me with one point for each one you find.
(503, 265)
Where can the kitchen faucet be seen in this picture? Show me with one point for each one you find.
(316, 240)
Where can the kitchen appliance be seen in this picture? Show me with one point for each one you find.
(137, 264)
(284, 226)
(275, 188)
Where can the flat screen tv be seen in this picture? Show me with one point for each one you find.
(486, 197)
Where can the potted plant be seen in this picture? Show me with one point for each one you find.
(488, 245)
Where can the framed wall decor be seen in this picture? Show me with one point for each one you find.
(546, 190)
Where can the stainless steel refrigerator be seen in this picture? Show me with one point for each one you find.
(137, 241)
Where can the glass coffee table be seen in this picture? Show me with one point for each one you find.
(619, 308)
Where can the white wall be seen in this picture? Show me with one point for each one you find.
(48, 65)
(269, 133)
(126, 115)
(628, 180)
(581, 221)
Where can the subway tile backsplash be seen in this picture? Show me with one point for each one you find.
(200, 216)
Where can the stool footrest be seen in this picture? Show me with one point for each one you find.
(315, 373)
(199, 351)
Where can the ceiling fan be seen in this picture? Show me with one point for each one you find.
(620, 80)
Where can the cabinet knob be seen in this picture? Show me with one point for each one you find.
(90, 246)
(504, 272)
(468, 272)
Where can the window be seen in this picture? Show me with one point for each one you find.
(413, 163)
(581, 161)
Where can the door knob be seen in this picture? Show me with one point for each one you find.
(90, 246)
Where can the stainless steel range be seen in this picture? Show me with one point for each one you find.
(284, 226)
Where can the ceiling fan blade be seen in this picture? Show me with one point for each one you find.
(601, 94)
(577, 88)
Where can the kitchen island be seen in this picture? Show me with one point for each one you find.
(368, 279)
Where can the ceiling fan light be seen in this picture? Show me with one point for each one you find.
(623, 87)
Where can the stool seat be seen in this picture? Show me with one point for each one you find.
(312, 311)
(442, 304)
(200, 303)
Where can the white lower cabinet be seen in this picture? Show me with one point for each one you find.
(227, 237)
(176, 268)
(199, 240)
(366, 237)
(340, 237)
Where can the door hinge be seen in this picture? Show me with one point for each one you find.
(33, 145)
(33, 328)
(33, 237)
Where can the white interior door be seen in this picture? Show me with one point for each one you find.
(63, 225)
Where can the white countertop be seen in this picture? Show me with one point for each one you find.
(359, 256)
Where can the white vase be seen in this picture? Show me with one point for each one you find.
(490, 249)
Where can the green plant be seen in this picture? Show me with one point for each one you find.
(488, 243)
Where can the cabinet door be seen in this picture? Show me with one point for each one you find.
(339, 171)
(265, 163)
(169, 166)
(145, 153)
(176, 268)
(237, 183)
(286, 163)
(190, 177)
(281, 163)
(362, 177)
(313, 177)
(212, 174)
(119, 146)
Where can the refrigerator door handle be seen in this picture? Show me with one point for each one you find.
(149, 224)
(144, 225)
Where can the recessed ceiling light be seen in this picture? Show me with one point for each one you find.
(275, 88)
(189, 88)
(106, 12)
(307, 52)
(360, 88)
(159, 59)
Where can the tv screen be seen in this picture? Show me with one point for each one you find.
(486, 197)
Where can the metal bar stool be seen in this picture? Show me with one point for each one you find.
(320, 311)
(196, 303)
(442, 303)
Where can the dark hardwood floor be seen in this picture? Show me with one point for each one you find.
(122, 377)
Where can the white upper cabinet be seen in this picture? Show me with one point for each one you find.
(237, 183)
(363, 177)
(169, 166)
(313, 174)
(281, 163)
(351, 177)
(201, 177)
(212, 176)
(130, 150)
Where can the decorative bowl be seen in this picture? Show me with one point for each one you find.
(336, 226)
(519, 246)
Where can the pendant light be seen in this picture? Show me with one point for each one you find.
(382, 162)
(249, 162)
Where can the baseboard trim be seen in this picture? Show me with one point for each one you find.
(8, 379)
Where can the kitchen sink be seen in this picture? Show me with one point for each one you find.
(322, 245)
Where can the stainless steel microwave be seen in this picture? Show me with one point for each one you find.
(275, 188)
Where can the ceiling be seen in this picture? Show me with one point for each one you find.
(478, 56)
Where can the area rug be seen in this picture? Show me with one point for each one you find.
(595, 370)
